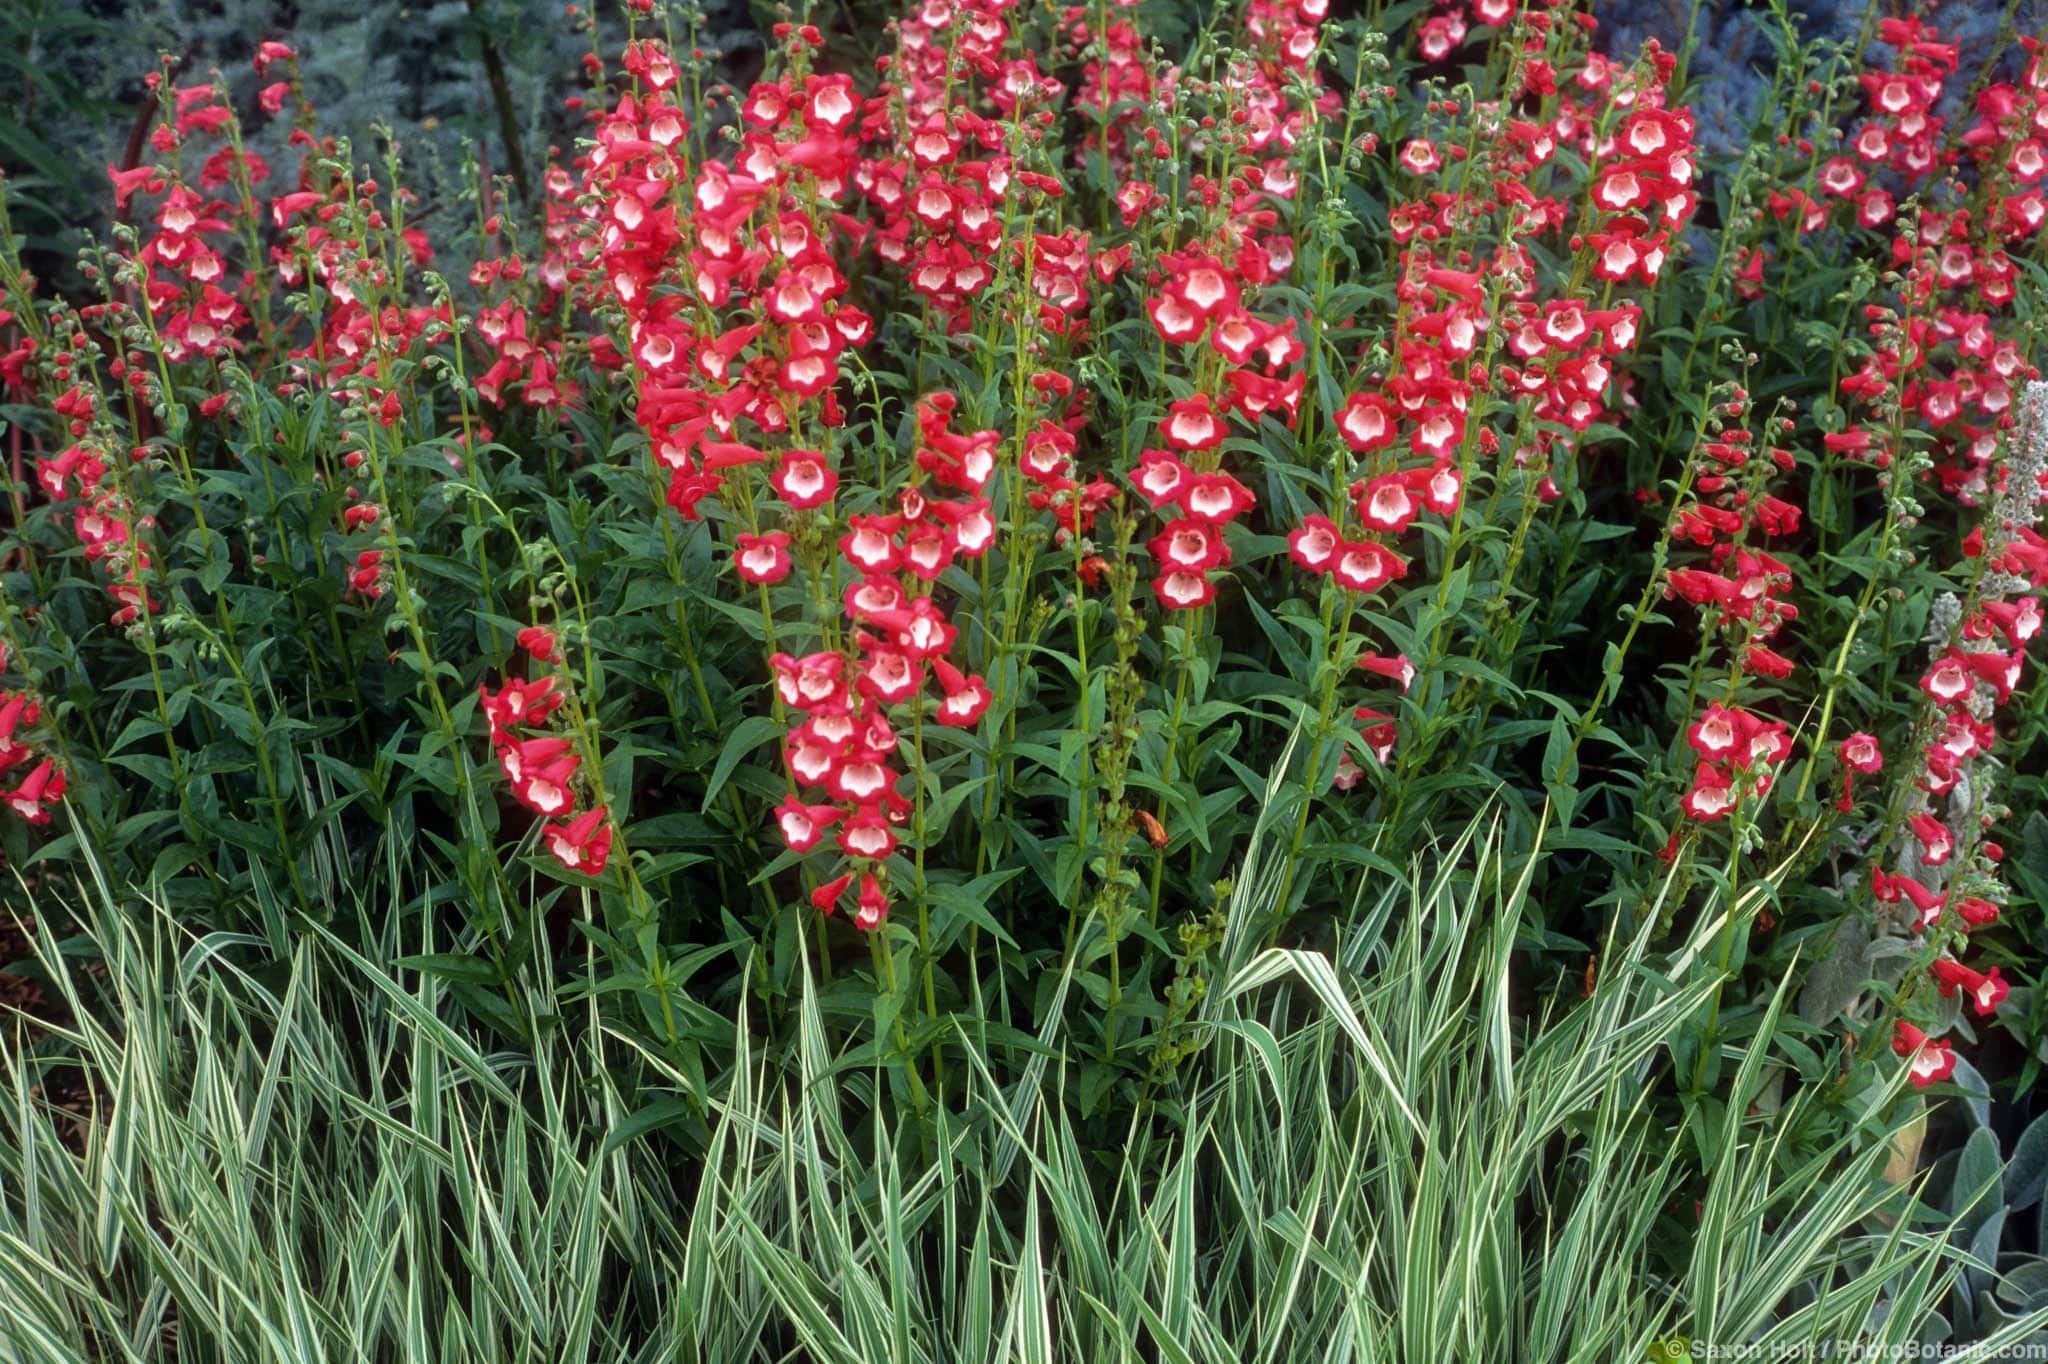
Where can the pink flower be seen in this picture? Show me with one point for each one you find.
(1183, 591)
(1366, 423)
(1712, 795)
(1192, 424)
(1385, 504)
(803, 479)
(762, 558)
(1160, 477)
(1367, 566)
(1860, 753)
(1314, 543)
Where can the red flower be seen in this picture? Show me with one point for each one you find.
(1948, 681)
(889, 676)
(1985, 991)
(1367, 566)
(1189, 546)
(545, 790)
(518, 703)
(18, 709)
(520, 758)
(1891, 889)
(974, 527)
(927, 549)
(873, 904)
(1192, 424)
(1439, 487)
(1929, 1061)
(922, 631)
(1860, 753)
(1048, 453)
(1379, 733)
(1385, 505)
(1205, 287)
(1937, 844)
(1366, 423)
(44, 786)
(861, 779)
(1768, 662)
(1396, 669)
(1175, 319)
(1718, 733)
(1976, 912)
(583, 843)
(966, 697)
(762, 558)
(368, 577)
(1184, 591)
(825, 897)
(2020, 620)
(2000, 671)
(539, 642)
(803, 479)
(867, 834)
(1700, 587)
(804, 825)
(810, 682)
(869, 543)
(813, 759)
(1765, 743)
(1314, 544)
(1216, 498)
(1712, 795)
(1160, 477)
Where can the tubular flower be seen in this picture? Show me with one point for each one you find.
(583, 843)
(1929, 1061)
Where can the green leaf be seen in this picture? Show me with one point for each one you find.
(747, 738)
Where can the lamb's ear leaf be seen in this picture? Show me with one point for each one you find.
(2027, 1173)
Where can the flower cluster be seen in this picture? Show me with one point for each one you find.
(1200, 300)
(1952, 370)
(845, 744)
(1738, 754)
(945, 186)
(757, 238)
(1950, 879)
(539, 765)
(43, 785)
(1741, 593)
(105, 520)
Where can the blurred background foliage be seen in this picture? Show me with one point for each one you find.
(440, 74)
